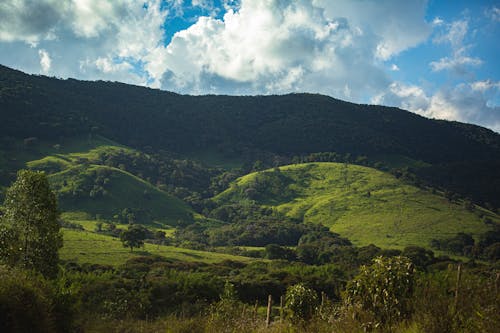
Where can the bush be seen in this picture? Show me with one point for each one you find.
(383, 289)
(25, 303)
(301, 302)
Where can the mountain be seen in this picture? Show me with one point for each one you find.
(363, 204)
(457, 157)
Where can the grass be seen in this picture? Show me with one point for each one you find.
(72, 175)
(123, 190)
(89, 247)
(363, 204)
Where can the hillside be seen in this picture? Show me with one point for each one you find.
(360, 203)
(107, 192)
(457, 157)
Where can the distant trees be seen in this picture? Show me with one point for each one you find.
(133, 237)
(29, 230)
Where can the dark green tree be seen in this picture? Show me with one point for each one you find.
(133, 237)
(29, 231)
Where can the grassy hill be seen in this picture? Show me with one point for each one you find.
(360, 203)
(89, 247)
(104, 192)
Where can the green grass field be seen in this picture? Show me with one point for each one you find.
(89, 247)
(72, 175)
(360, 203)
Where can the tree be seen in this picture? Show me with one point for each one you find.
(383, 289)
(133, 237)
(29, 230)
(301, 302)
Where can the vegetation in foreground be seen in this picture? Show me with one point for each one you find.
(389, 293)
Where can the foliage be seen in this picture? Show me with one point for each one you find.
(30, 230)
(133, 237)
(383, 289)
(365, 205)
(301, 302)
(30, 303)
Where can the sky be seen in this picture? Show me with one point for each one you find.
(437, 58)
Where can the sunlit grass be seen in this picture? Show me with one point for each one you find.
(89, 247)
(365, 205)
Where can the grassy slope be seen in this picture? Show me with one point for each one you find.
(124, 190)
(393, 214)
(88, 247)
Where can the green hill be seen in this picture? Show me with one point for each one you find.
(360, 203)
(456, 156)
(109, 193)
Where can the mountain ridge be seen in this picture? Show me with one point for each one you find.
(254, 127)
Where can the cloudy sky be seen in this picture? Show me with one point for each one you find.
(438, 58)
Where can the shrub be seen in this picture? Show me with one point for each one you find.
(383, 289)
(301, 302)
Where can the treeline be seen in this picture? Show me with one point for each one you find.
(463, 244)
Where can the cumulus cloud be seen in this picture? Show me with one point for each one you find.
(45, 61)
(80, 32)
(399, 25)
(29, 21)
(281, 46)
(257, 47)
(463, 102)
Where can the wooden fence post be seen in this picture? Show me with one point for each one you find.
(269, 305)
(281, 308)
(457, 287)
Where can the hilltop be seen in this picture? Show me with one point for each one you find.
(363, 204)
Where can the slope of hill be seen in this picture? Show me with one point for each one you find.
(360, 203)
(88, 247)
(52, 109)
(107, 192)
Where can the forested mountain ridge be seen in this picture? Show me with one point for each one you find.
(462, 157)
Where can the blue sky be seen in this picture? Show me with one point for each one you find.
(436, 58)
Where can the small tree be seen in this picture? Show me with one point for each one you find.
(133, 237)
(301, 302)
(29, 231)
(383, 289)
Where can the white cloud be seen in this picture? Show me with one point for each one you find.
(463, 102)
(394, 68)
(398, 25)
(29, 21)
(484, 86)
(78, 34)
(455, 63)
(408, 97)
(437, 21)
(459, 61)
(45, 61)
(493, 13)
(279, 46)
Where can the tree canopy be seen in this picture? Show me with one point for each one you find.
(29, 230)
